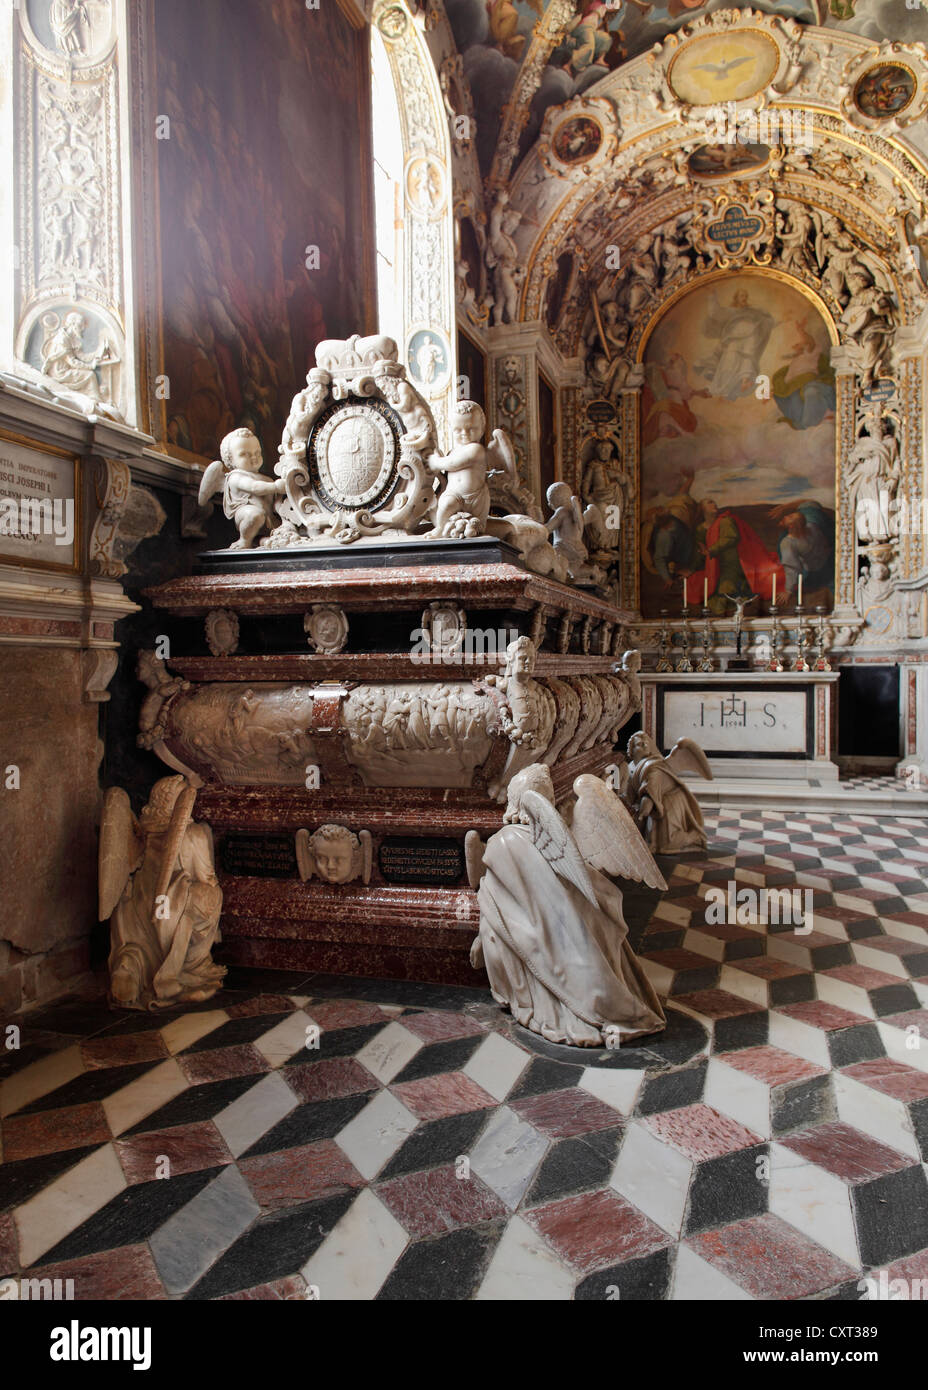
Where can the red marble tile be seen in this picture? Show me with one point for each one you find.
(280, 1290)
(818, 1014)
(126, 1274)
(299, 1175)
(914, 1018)
(345, 1013)
(188, 1149)
(51, 1131)
(562, 1114)
(766, 968)
(330, 1078)
(861, 976)
(770, 1259)
(434, 1097)
(771, 1065)
(717, 1003)
(147, 1046)
(892, 945)
(597, 1229)
(846, 1152)
(440, 1026)
(912, 1267)
(9, 1245)
(701, 1132)
(219, 1063)
(840, 914)
(892, 1078)
(912, 919)
(678, 958)
(263, 1004)
(429, 1202)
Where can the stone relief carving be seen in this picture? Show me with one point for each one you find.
(443, 625)
(417, 733)
(222, 628)
(126, 516)
(326, 628)
(158, 887)
(74, 373)
(334, 854)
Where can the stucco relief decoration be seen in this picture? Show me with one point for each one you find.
(579, 137)
(730, 56)
(886, 88)
(735, 231)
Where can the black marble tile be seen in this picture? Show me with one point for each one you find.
(439, 1057)
(606, 1142)
(238, 1031)
(569, 1166)
(892, 1216)
(274, 1247)
(544, 1074)
(794, 989)
(918, 1114)
(132, 1216)
(91, 1085)
(860, 1043)
(318, 1119)
(438, 1142)
(742, 1030)
(14, 1059)
(647, 1278)
(445, 1269)
(24, 1177)
(81, 1018)
(198, 1103)
(672, 1090)
(411, 993)
(803, 1104)
(336, 1042)
(893, 999)
(727, 1189)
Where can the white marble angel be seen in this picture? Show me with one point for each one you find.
(246, 497)
(334, 853)
(552, 936)
(158, 887)
(665, 809)
(464, 505)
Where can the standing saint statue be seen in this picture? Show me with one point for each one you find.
(159, 888)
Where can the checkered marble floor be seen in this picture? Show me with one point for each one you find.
(373, 1139)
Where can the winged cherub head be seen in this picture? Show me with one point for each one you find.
(337, 853)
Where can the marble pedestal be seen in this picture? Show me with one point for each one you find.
(414, 750)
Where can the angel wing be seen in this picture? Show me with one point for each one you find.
(122, 846)
(577, 510)
(501, 456)
(305, 859)
(211, 482)
(687, 756)
(594, 526)
(474, 850)
(367, 854)
(555, 843)
(607, 837)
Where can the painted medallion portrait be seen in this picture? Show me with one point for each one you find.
(884, 91)
(577, 139)
(737, 448)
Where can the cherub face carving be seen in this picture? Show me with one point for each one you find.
(335, 850)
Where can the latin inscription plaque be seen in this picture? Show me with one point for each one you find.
(428, 860)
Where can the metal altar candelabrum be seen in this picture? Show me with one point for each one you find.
(706, 663)
(802, 640)
(684, 664)
(776, 643)
(663, 645)
(821, 661)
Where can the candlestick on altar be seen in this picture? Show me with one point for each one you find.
(821, 662)
(663, 646)
(706, 662)
(705, 593)
(773, 601)
(802, 638)
(799, 596)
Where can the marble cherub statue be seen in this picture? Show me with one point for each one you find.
(464, 504)
(158, 887)
(553, 938)
(334, 853)
(247, 498)
(665, 809)
(566, 526)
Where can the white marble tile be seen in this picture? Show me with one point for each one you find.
(389, 1051)
(355, 1258)
(507, 1155)
(801, 1039)
(743, 1097)
(743, 984)
(195, 1236)
(190, 1028)
(814, 1201)
(899, 1045)
(660, 976)
(697, 1281)
(879, 960)
(125, 1107)
(654, 1177)
(67, 1202)
(906, 931)
(39, 1079)
(704, 945)
(375, 1134)
(525, 1269)
(261, 1107)
(617, 1087)
(881, 1116)
(497, 1065)
(844, 995)
(279, 1043)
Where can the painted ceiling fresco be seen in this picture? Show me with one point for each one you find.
(495, 36)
